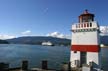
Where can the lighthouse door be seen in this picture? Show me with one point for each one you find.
(83, 57)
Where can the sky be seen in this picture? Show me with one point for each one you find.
(44, 17)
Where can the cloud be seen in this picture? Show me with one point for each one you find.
(58, 35)
(68, 36)
(104, 30)
(3, 37)
(26, 32)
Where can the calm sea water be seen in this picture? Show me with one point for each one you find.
(55, 55)
(14, 54)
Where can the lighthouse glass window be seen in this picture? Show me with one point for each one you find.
(90, 19)
(84, 19)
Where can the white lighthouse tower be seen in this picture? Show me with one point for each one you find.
(85, 42)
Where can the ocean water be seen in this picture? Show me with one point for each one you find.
(55, 55)
(104, 58)
(14, 54)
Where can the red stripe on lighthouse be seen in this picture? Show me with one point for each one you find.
(87, 48)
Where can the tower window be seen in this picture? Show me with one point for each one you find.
(87, 24)
(90, 24)
(86, 30)
(84, 24)
(94, 29)
(75, 51)
(81, 25)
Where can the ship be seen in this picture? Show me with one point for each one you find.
(48, 43)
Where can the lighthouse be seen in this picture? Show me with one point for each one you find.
(85, 47)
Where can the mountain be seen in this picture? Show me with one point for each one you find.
(39, 40)
(4, 42)
(104, 40)
(56, 41)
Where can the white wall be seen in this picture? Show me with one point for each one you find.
(85, 38)
(73, 57)
(95, 57)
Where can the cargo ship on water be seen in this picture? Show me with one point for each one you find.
(48, 43)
